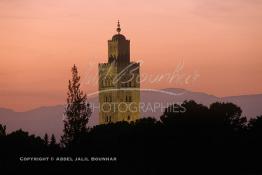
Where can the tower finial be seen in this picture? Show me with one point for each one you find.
(118, 29)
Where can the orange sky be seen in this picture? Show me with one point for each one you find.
(219, 42)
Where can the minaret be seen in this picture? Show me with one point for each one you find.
(119, 83)
(119, 48)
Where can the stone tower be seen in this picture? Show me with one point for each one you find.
(119, 83)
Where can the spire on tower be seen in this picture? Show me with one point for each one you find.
(118, 29)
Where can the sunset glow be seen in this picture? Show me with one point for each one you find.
(215, 46)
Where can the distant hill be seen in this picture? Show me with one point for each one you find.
(251, 105)
(50, 119)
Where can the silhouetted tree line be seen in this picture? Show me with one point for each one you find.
(217, 138)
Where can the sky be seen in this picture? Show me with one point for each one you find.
(211, 46)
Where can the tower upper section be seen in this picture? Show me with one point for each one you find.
(119, 48)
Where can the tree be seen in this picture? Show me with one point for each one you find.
(2, 130)
(46, 139)
(77, 111)
(255, 126)
(227, 114)
(188, 114)
(52, 141)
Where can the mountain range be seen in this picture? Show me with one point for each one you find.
(49, 119)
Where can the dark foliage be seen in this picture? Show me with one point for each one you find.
(77, 111)
(189, 138)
